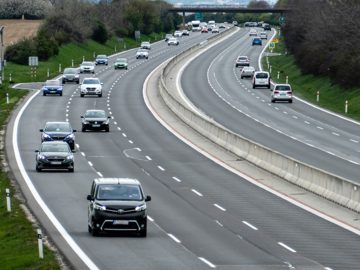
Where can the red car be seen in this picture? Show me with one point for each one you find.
(204, 30)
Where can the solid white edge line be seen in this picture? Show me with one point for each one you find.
(287, 247)
(197, 192)
(90, 163)
(174, 238)
(150, 218)
(176, 179)
(250, 225)
(161, 168)
(100, 174)
(74, 246)
(148, 158)
(242, 175)
(207, 262)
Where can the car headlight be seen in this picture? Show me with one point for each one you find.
(140, 208)
(99, 207)
(45, 136)
(44, 89)
(42, 157)
(86, 122)
(77, 76)
(71, 136)
(70, 157)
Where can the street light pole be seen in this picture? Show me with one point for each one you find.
(2, 53)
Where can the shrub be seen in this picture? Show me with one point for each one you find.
(19, 53)
(100, 33)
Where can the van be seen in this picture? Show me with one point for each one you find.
(261, 79)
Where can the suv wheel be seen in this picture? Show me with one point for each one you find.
(107, 129)
(81, 95)
(143, 232)
(99, 95)
(38, 169)
(71, 170)
(254, 86)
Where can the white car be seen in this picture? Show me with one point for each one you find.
(142, 53)
(91, 86)
(145, 45)
(242, 61)
(247, 72)
(252, 32)
(281, 92)
(263, 35)
(215, 30)
(261, 79)
(178, 34)
(173, 41)
(87, 67)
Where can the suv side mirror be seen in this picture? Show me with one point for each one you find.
(74, 130)
(148, 198)
(89, 198)
(37, 151)
(81, 116)
(41, 130)
(109, 117)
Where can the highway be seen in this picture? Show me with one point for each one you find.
(297, 130)
(201, 216)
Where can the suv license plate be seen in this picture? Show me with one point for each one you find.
(96, 125)
(121, 222)
(56, 162)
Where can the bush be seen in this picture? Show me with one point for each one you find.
(46, 46)
(19, 53)
(100, 33)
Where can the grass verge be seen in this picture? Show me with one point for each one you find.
(18, 238)
(306, 86)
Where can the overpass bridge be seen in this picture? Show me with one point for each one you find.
(225, 9)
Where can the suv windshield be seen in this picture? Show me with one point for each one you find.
(262, 76)
(70, 71)
(101, 56)
(95, 114)
(91, 81)
(60, 127)
(119, 192)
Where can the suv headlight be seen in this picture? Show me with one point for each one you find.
(140, 207)
(45, 136)
(71, 136)
(99, 207)
(70, 157)
(42, 157)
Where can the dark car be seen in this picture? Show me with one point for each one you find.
(256, 41)
(121, 63)
(54, 155)
(101, 59)
(71, 75)
(52, 87)
(117, 204)
(267, 27)
(95, 120)
(58, 131)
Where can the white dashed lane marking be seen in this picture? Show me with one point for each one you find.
(197, 192)
(219, 207)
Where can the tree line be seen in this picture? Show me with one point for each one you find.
(323, 37)
(77, 20)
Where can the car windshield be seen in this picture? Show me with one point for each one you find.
(168, 35)
(70, 71)
(53, 82)
(95, 114)
(101, 56)
(122, 60)
(243, 58)
(87, 64)
(91, 81)
(247, 69)
(59, 127)
(283, 88)
(55, 148)
(119, 192)
(262, 76)
(145, 43)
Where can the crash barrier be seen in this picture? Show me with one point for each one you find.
(342, 191)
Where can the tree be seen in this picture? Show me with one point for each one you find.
(258, 4)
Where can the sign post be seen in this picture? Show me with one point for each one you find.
(33, 63)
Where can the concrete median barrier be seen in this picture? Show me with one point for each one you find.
(342, 191)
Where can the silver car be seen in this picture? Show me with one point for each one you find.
(247, 72)
(87, 67)
(242, 61)
(281, 92)
(142, 53)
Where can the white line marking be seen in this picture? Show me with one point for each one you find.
(90, 163)
(174, 238)
(207, 262)
(176, 179)
(295, 117)
(161, 168)
(355, 141)
(77, 146)
(137, 148)
(100, 174)
(124, 135)
(335, 134)
(83, 154)
(148, 158)
(75, 247)
(220, 207)
(131, 142)
(307, 122)
(150, 218)
(287, 247)
(115, 123)
(250, 225)
(321, 128)
(219, 223)
(118, 128)
(197, 192)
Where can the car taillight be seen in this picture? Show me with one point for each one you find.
(276, 92)
(289, 93)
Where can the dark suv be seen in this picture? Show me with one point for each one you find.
(95, 120)
(117, 204)
(58, 131)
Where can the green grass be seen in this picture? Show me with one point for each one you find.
(18, 238)
(68, 54)
(305, 86)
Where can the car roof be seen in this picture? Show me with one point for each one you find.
(87, 62)
(117, 181)
(91, 78)
(54, 142)
(57, 122)
(52, 81)
(101, 55)
(257, 72)
(94, 110)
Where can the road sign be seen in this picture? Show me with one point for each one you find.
(33, 61)
(282, 20)
(272, 45)
(199, 16)
(275, 40)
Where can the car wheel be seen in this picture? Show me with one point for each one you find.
(290, 101)
(273, 101)
(77, 82)
(60, 94)
(83, 129)
(81, 95)
(143, 232)
(94, 232)
(89, 229)
(254, 86)
(63, 82)
(38, 169)
(107, 129)
(268, 86)
(71, 169)
(44, 94)
(99, 95)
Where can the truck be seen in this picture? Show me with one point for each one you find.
(195, 26)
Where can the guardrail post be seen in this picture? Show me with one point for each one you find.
(287, 79)
(346, 106)
(72, 62)
(83, 58)
(94, 54)
(7, 98)
(270, 69)
(8, 200)
(317, 96)
(59, 68)
(40, 244)
(10, 80)
(48, 73)
(278, 75)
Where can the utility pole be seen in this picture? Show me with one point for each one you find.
(2, 53)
